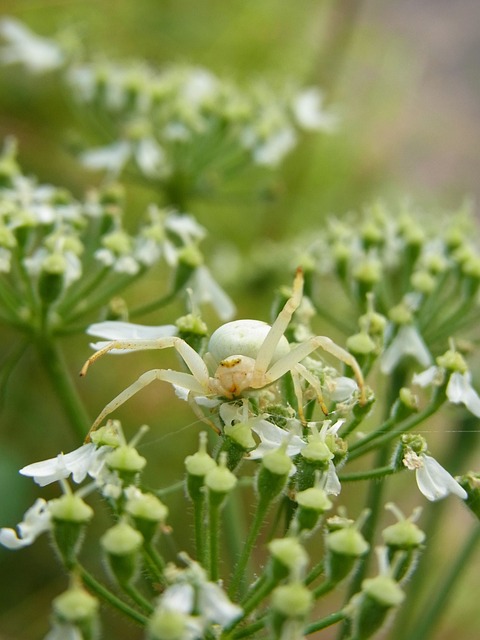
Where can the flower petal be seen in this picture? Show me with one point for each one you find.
(435, 482)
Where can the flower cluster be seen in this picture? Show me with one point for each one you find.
(183, 128)
(63, 259)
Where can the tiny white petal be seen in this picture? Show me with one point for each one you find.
(307, 108)
(206, 290)
(427, 377)
(111, 158)
(407, 342)
(117, 330)
(35, 521)
(179, 597)
(460, 391)
(271, 438)
(435, 482)
(215, 605)
(332, 483)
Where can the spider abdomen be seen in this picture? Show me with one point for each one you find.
(243, 337)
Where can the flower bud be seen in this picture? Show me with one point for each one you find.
(370, 608)
(288, 557)
(344, 547)
(122, 543)
(147, 512)
(51, 279)
(220, 480)
(289, 602)
(167, 624)
(197, 466)
(69, 515)
(77, 607)
(312, 503)
(471, 483)
(126, 461)
(273, 474)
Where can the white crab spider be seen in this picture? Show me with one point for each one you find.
(243, 356)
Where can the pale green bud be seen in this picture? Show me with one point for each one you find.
(383, 590)
(125, 459)
(289, 553)
(70, 508)
(292, 600)
(220, 479)
(75, 606)
(361, 343)
(121, 540)
(452, 361)
(241, 434)
(167, 624)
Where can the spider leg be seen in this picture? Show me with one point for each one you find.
(301, 351)
(200, 415)
(267, 349)
(302, 371)
(191, 358)
(185, 380)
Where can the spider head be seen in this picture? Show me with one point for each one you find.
(233, 375)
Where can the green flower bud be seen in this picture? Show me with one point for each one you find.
(292, 600)
(344, 547)
(452, 361)
(423, 282)
(122, 543)
(219, 479)
(241, 434)
(361, 344)
(51, 280)
(126, 461)
(312, 503)
(405, 405)
(370, 608)
(197, 466)
(273, 473)
(471, 483)
(110, 435)
(400, 314)
(119, 242)
(147, 512)
(69, 515)
(288, 557)
(167, 624)
(77, 607)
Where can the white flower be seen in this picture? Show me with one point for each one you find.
(117, 330)
(193, 595)
(407, 342)
(309, 112)
(86, 460)
(459, 388)
(35, 521)
(64, 631)
(23, 46)
(205, 290)
(460, 391)
(271, 151)
(432, 479)
(272, 437)
(111, 158)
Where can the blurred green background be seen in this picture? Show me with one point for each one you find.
(404, 78)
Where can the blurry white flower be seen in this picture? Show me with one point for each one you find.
(460, 391)
(205, 290)
(35, 521)
(271, 151)
(432, 479)
(407, 342)
(309, 112)
(459, 388)
(23, 46)
(111, 158)
(272, 437)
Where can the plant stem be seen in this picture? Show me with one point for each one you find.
(333, 618)
(55, 365)
(137, 597)
(262, 508)
(425, 624)
(380, 472)
(105, 594)
(214, 535)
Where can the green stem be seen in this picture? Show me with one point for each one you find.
(214, 535)
(425, 624)
(250, 630)
(259, 591)
(317, 570)
(59, 374)
(154, 562)
(105, 594)
(262, 508)
(322, 589)
(333, 618)
(199, 527)
(153, 306)
(367, 475)
(137, 597)
(379, 438)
